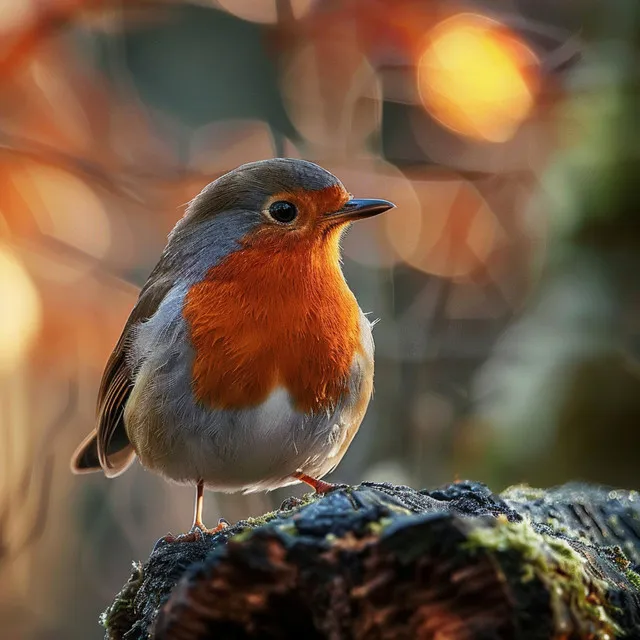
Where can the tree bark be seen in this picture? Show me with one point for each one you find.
(384, 561)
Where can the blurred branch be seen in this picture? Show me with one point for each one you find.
(83, 168)
(56, 16)
(57, 250)
(562, 48)
(126, 185)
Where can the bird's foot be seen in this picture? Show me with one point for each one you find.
(319, 486)
(197, 532)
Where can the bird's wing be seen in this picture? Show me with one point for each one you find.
(117, 380)
(108, 447)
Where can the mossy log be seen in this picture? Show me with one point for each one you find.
(384, 561)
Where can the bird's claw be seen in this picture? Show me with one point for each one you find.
(319, 486)
(330, 487)
(197, 532)
(222, 524)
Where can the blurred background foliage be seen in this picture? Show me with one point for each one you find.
(506, 281)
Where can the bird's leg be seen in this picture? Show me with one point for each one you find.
(197, 528)
(319, 486)
(197, 509)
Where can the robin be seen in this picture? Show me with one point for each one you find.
(246, 363)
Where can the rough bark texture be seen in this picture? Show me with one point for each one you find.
(382, 561)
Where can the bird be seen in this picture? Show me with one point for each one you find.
(246, 363)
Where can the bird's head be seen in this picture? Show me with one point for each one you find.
(275, 204)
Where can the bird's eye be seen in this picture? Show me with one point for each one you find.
(283, 211)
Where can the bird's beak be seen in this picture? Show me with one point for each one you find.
(357, 209)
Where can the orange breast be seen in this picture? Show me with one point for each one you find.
(272, 316)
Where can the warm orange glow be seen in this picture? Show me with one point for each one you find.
(476, 78)
(21, 311)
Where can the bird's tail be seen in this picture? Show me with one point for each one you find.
(85, 459)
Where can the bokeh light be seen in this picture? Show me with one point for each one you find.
(15, 14)
(65, 208)
(336, 105)
(20, 311)
(477, 78)
(452, 234)
(367, 243)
